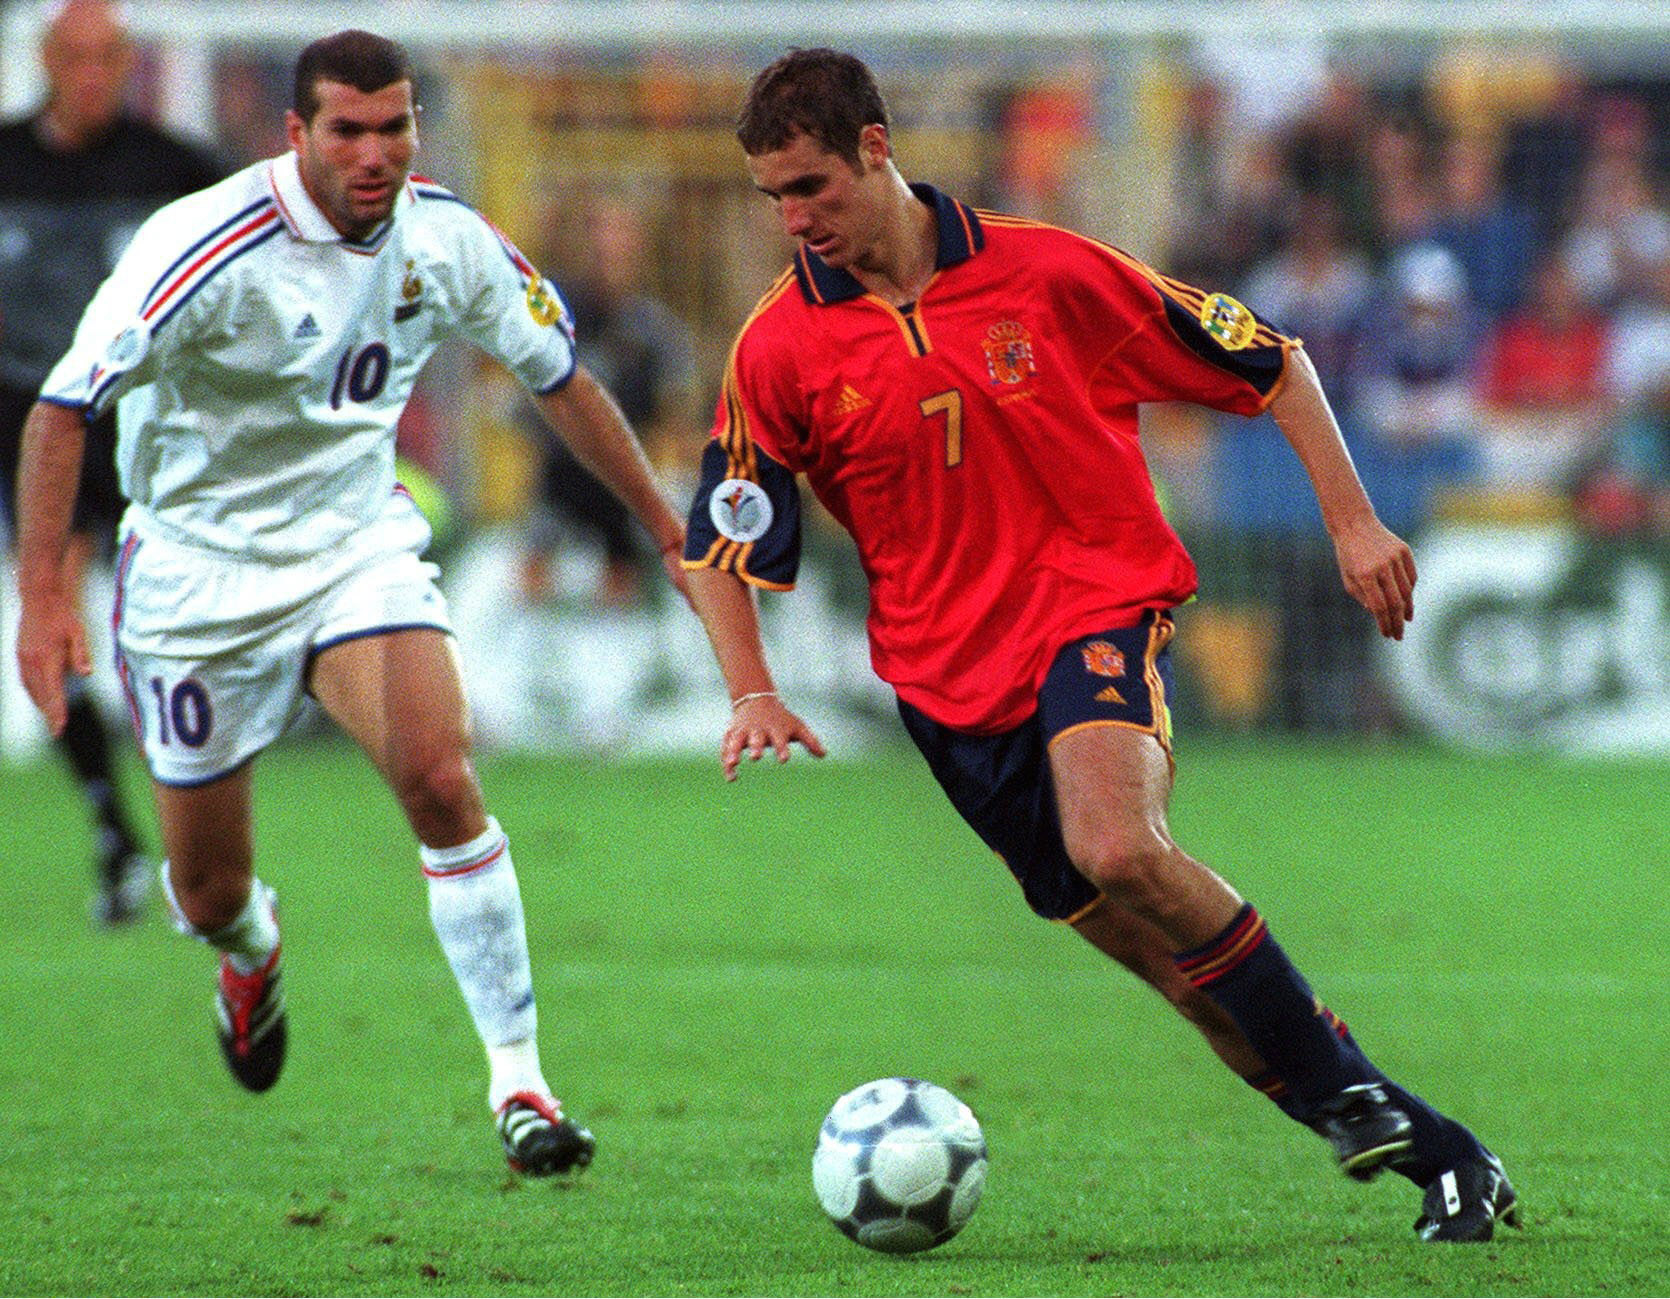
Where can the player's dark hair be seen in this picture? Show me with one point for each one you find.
(354, 58)
(821, 93)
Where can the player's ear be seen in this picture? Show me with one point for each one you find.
(874, 148)
(295, 130)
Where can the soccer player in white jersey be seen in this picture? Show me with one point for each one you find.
(262, 337)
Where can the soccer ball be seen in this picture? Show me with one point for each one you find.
(900, 1165)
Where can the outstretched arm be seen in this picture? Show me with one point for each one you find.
(587, 418)
(1377, 567)
(759, 720)
(51, 642)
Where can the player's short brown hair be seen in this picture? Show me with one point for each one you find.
(822, 93)
(355, 58)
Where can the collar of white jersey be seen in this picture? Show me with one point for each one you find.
(304, 219)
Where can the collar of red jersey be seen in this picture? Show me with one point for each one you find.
(960, 237)
(302, 215)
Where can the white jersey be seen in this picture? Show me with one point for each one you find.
(262, 360)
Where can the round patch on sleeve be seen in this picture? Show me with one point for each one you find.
(128, 348)
(740, 509)
(543, 305)
(1228, 321)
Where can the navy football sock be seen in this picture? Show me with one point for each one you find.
(1281, 1096)
(1440, 1142)
(1245, 972)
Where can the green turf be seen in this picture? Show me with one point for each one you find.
(716, 964)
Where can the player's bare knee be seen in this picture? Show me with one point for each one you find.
(439, 794)
(1130, 867)
(210, 899)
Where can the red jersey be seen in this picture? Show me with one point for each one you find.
(980, 445)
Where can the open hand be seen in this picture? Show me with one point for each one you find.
(51, 643)
(762, 723)
(1378, 569)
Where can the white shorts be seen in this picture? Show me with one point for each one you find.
(213, 650)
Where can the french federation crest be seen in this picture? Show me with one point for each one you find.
(1008, 347)
(1227, 321)
(740, 509)
(411, 294)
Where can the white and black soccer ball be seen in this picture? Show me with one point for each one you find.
(900, 1165)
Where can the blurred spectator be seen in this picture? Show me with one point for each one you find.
(1639, 354)
(1324, 151)
(1041, 129)
(1405, 210)
(1631, 491)
(1621, 228)
(1543, 399)
(1492, 235)
(250, 99)
(642, 352)
(1404, 409)
(1413, 373)
(1316, 288)
(1232, 198)
(1542, 160)
(77, 177)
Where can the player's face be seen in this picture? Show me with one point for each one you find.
(823, 201)
(356, 152)
(87, 59)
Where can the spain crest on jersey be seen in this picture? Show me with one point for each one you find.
(1103, 660)
(1008, 347)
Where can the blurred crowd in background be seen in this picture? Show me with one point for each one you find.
(1478, 260)
(1485, 288)
(1473, 241)
(1480, 269)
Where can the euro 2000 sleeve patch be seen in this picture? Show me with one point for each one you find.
(749, 525)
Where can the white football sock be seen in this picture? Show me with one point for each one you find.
(251, 937)
(476, 909)
(515, 1067)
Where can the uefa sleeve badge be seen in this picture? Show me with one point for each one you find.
(740, 510)
(1228, 321)
(128, 348)
(543, 305)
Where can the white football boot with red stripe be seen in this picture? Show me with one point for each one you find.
(539, 1139)
(252, 1028)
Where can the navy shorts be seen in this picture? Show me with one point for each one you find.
(1001, 783)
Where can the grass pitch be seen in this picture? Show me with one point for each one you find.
(716, 964)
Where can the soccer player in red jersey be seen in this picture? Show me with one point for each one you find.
(960, 389)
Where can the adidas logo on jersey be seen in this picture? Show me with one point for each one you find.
(851, 400)
(309, 328)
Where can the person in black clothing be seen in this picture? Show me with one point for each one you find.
(76, 179)
(639, 347)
